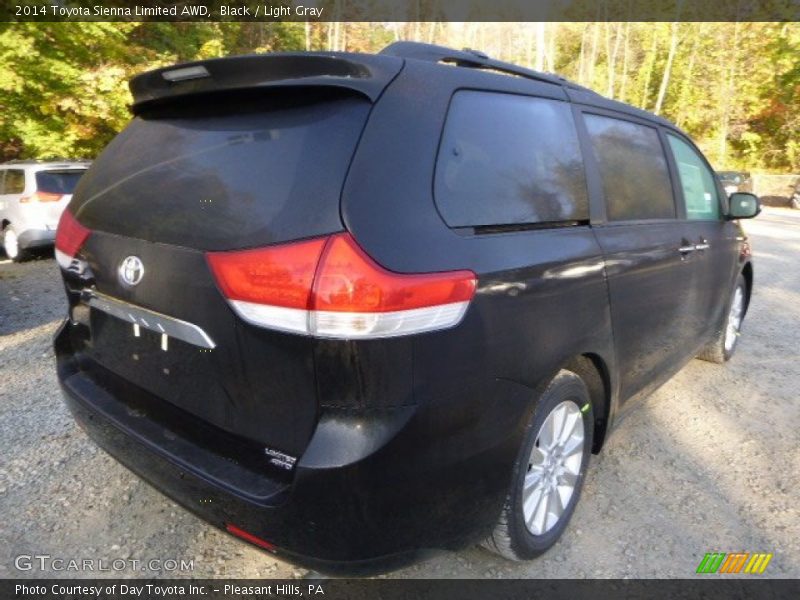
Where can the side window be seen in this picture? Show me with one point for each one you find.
(633, 168)
(14, 181)
(2, 183)
(506, 159)
(697, 181)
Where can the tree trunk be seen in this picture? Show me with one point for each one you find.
(673, 47)
(687, 79)
(593, 55)
(528, 44)
(612, 61)
(726, 103)
(582, 58)
(650, 62)
(551, 48)
(432, 32)
(625, 50)
(540, 48)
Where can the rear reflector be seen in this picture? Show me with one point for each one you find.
(331, 288)
(70, 236)
(241, 533)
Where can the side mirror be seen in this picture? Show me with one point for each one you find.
(743, 205)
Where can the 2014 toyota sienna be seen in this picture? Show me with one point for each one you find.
(353, 308)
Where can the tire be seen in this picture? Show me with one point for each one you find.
(11, 245)
(722, 347)
(515, 537)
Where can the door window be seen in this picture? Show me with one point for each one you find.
(633, 169)
(697, 181)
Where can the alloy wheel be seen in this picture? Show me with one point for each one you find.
(553, 468)
(734, 319)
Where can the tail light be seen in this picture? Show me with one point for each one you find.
(42, 197)
(329, 287)
(70, 236)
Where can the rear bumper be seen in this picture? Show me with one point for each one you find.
(36, 238)
(371, 493)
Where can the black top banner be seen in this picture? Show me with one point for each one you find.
(399, 11)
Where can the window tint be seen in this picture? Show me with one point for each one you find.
(697, 181)
(507, 159)
(58, 182)
(633, 168)
(14, 182)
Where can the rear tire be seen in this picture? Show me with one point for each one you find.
(549, 472)
(11, 245)
(721, 348)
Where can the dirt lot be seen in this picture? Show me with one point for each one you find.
(710, 462)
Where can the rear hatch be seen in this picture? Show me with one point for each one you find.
(195, 174)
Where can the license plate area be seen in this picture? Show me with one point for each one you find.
(183, 374)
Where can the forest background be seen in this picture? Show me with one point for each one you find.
(735, 87)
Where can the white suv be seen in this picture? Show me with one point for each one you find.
(32, 197)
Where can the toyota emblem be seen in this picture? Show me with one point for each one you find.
(131, 270)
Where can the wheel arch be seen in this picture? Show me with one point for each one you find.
(594, 371)
(747, 273)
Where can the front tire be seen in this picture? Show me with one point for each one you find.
(549, 472)
(11, 245)
(722, 347)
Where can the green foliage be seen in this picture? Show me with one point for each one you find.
(56, 97)
(63, 86)
(735, 87)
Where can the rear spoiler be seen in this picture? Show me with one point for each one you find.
(363, 73)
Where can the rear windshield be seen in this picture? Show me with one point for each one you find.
(227, 174)
(58, 182)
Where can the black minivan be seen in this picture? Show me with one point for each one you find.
(354, 308)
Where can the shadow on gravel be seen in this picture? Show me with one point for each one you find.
(31, 294)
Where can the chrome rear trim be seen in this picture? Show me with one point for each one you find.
(149, 319)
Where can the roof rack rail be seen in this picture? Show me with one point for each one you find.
(470, 58)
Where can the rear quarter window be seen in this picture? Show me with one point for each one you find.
(506, 159)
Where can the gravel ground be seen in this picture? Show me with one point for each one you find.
(709, 462)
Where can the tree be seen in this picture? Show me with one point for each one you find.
(735, 87)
